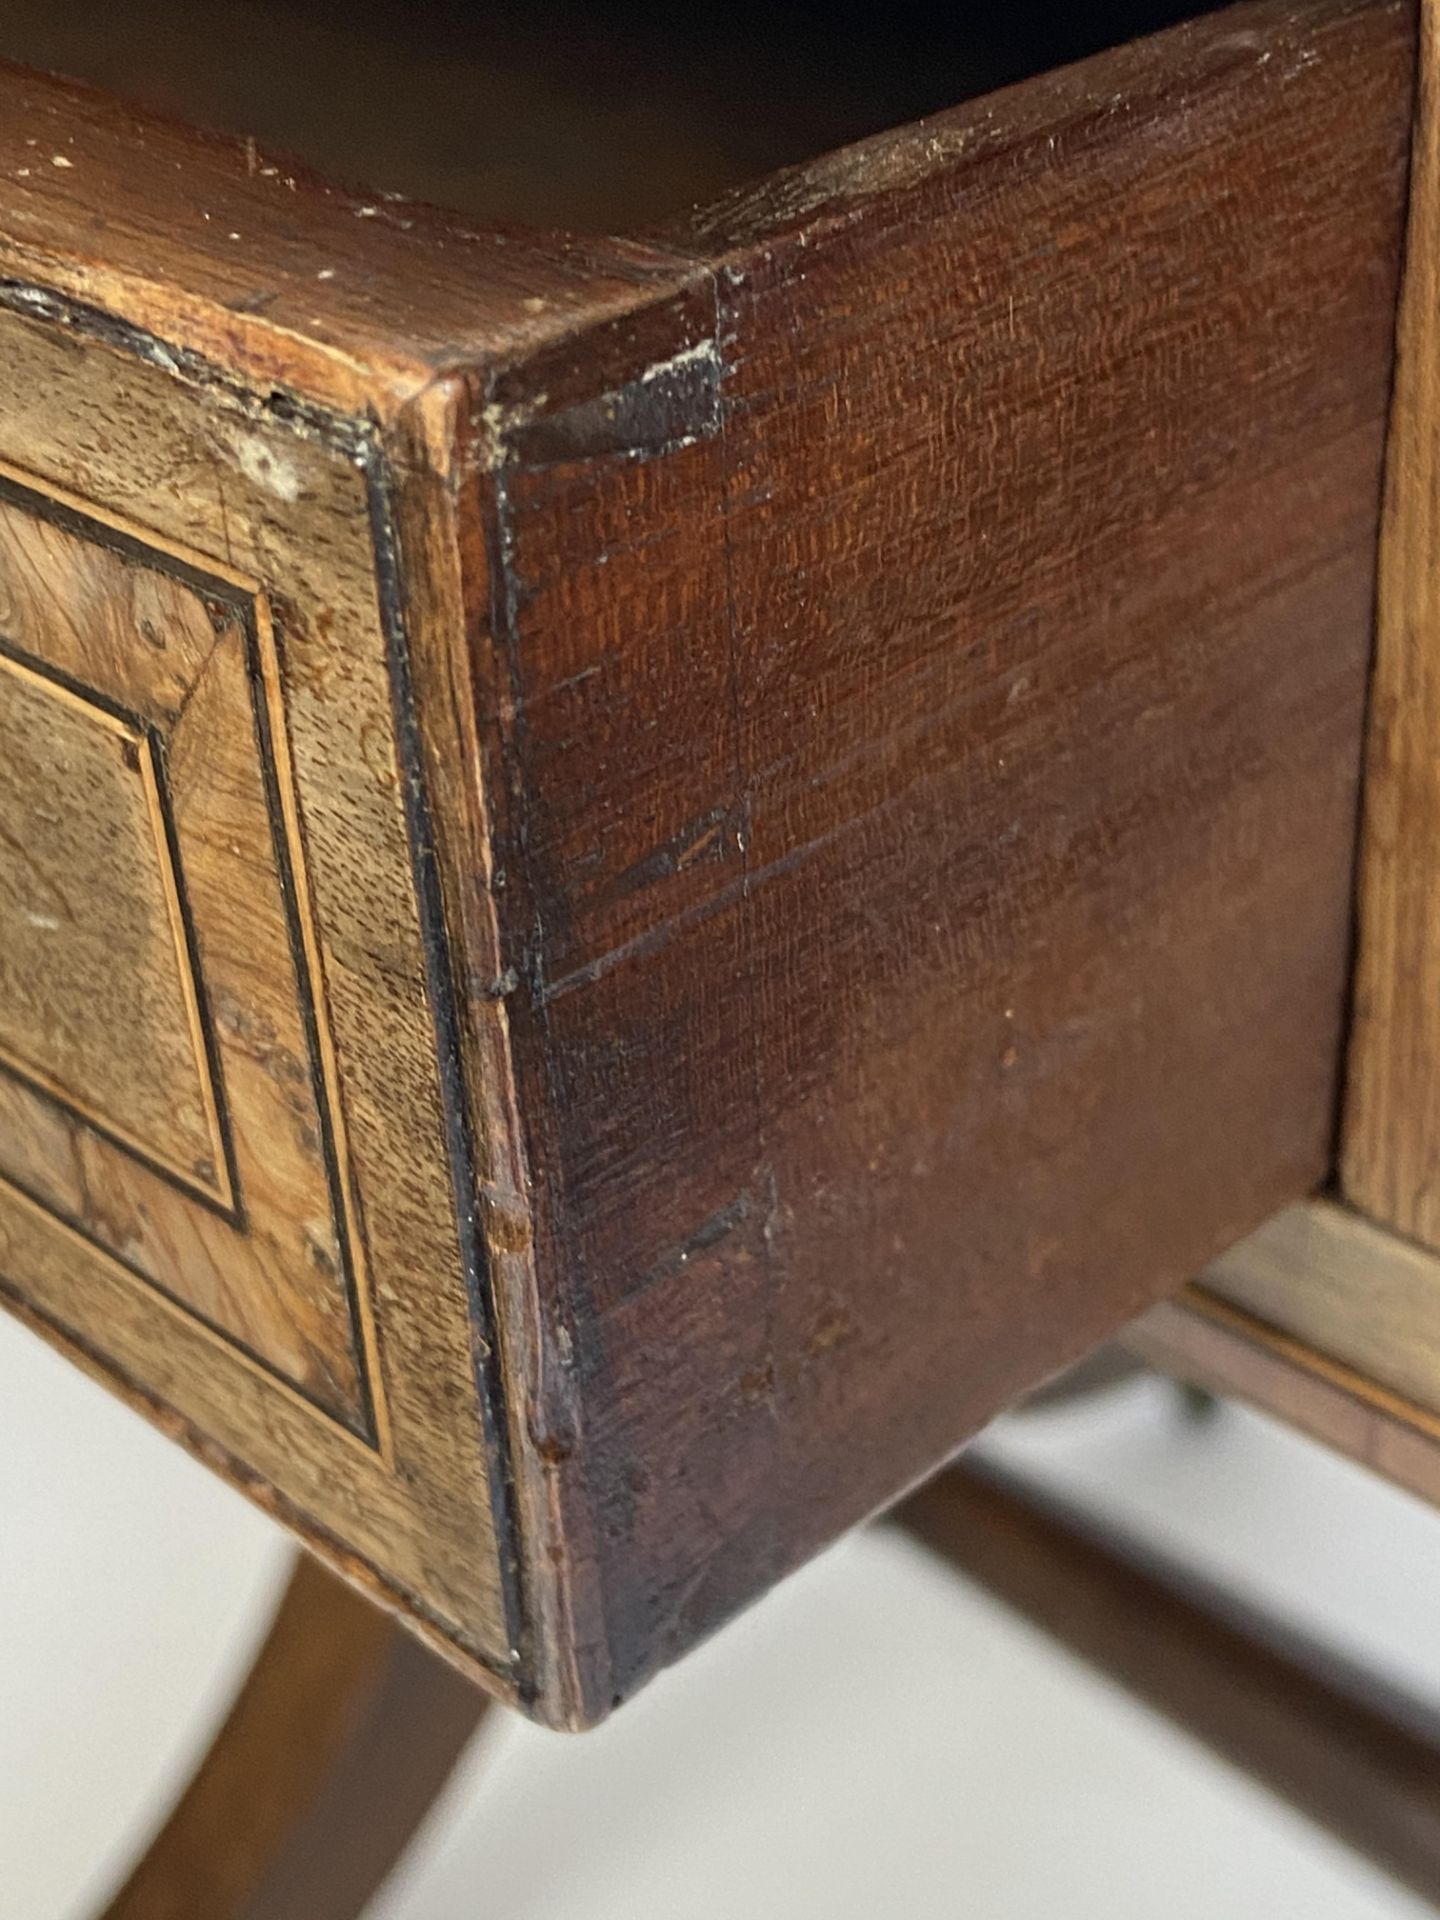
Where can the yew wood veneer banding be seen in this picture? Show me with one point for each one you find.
(137, 924)
(112, 894)
(209, 604)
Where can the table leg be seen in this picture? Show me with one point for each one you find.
(337, 1744)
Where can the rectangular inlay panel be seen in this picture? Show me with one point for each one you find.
(99, 1004)
(162, 1082)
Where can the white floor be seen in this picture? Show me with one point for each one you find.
(875, 1739)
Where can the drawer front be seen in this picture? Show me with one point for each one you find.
(640, 878)
(225, 1150)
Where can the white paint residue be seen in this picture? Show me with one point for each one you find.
(267, 468)
(705, 352)
(499, 419)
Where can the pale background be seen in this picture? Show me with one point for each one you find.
(874, 1739)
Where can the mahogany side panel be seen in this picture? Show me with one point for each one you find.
(927, 657)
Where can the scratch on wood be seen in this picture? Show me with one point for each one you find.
(714, 836)
(711, 1231)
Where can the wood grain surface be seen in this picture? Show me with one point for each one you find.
(1204, 1339)
(1359, 1296)
(791, 721)
(912, 646)
(1326, 1321)
(211, 565)
(1391, 1150)
(1327, 1316)
(332, 1754)
(166, 1070)
(105, 1018)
